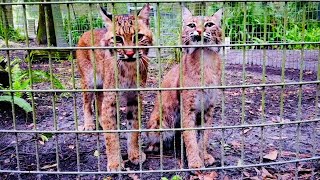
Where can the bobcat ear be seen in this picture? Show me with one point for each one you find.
(144, 13)
(218, 15)
(107, 17)
(186, 14)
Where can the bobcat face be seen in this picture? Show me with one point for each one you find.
(128, 31)
(196, 26)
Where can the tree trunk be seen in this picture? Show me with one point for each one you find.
(7, 19)
(42, 31)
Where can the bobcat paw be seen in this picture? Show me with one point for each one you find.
(195, 163)
(208, 159)
(134, 157)
(89, 127)
(113, 167)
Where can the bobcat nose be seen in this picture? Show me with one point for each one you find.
(199, 31)
(130, 53)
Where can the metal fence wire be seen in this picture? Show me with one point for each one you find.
(266, 113)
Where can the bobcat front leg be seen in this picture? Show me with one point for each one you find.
(208, 159)
(108, 122)
(87, 106)
(190, 136)
(133, 137)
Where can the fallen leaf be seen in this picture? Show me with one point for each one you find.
(245, 173)
(272, 155)
(49, 166)
(226, 177)
(30, 126)
(257, 171)
(255, 178)
(266, 174)
(80, 128)
(71, 146)
(41, 142)
(96, 153)
(236, 144)
(239, 162)
(246, 130)
(209, 176)
(286, 176)
(7, 160)
(278, 138)
(134, 176)
(107, 178)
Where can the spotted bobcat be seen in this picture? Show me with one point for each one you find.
(196, 147)
(126, 63)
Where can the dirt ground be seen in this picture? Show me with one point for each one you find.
(274, 143)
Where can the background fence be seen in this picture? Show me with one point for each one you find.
(266, 125)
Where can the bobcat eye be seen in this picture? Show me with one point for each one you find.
(209, 24)
(191, 25)
(140, 37)
(119, 39)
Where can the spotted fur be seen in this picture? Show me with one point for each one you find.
(125, 35)
(194, 27)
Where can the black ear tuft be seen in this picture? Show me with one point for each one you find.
(106, 13)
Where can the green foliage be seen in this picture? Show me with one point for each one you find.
(175, 177)
(21, 81)
(12, 34)
(80, 25)
(264, 23)
(23, 104)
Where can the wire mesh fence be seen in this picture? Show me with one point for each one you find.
(265, 117)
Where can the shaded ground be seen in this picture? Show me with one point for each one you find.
(71, 152)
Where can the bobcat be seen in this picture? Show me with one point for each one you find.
(126, 63)
(193, 28)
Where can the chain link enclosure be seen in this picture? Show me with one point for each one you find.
(266, 121)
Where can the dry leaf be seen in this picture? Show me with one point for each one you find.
(213, 175)
(236, 144)
(41, 142)
(30, 126)
(257, 171)
(96, 153)
(255, 178)
(245, 173)
(286, 176)
(272, 155)
(134, 176)
(80, 128)
(7, 160)
(226, 177)
(288, 153)
(265, 173)
(49, 166)
(246, 130)
(278, 138)
(71, 146)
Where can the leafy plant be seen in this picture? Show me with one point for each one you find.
(264, 23)
(175, 177)
(79, 25)
(22, 81)
(13, 34)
